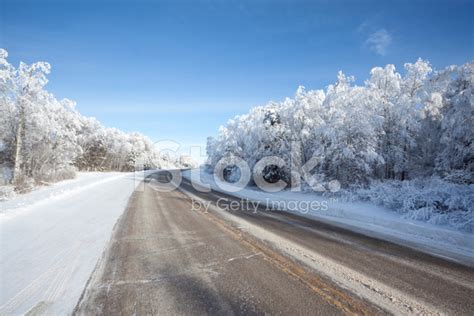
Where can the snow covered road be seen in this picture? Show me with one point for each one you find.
(168, 256)
(52, 238)
(363, 217)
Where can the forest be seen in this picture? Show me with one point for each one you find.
(404, 141)
(43, 139)
(401, 140)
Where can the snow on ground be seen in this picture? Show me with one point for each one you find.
(44, 194)
(363, 217)
(52, 238)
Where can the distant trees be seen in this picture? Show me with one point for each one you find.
(43, 139)
(393, 127)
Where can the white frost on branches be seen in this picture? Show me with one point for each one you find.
(415, 125)
(43, 139)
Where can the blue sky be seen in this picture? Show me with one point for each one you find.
(179, 69)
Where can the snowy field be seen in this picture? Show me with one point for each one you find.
(52, 238)
(369, 219)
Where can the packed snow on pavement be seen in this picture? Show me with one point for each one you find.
(52, 238)
(363, 217)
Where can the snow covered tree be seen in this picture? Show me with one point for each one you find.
(393, 127)
(456, 159)
(346, 140)
(43, 139)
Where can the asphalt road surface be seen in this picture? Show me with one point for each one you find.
(168, 257)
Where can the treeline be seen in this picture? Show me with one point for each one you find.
(394, 126)
(43, 139)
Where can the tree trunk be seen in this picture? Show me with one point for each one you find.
(19, 141)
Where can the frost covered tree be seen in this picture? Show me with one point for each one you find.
(456, 158)
(398, 101)
(393, 127)
(19, 90)
(43, 139)
(32, 116)
(347, 141)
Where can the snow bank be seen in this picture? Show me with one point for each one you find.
(431, 200)
(6, 192)
(52, 238)
(367, 218)
(19, 203)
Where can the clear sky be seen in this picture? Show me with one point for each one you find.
(179, 69)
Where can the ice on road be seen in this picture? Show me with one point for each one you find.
(52, 238)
